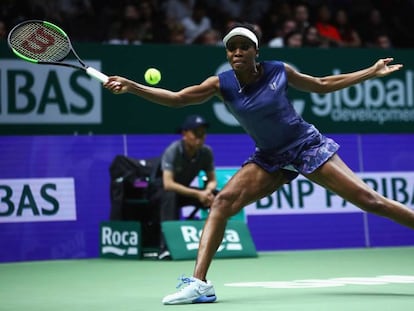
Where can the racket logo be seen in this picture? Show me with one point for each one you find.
(38, 42)
(42, 42)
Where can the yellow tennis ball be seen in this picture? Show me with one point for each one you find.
(152, 76)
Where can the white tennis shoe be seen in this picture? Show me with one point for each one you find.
(195, 291)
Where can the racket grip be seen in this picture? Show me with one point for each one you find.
(97, 74)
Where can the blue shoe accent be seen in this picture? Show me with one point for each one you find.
(204, 299)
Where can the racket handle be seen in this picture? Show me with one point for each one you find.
(97, 74)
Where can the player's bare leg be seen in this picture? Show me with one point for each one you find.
(336, 176)
(247, 185)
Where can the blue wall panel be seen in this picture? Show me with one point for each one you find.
(87, 160)
(290, 232)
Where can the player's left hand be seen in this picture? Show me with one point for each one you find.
(383, 67)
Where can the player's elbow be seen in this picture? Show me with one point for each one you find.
(176, 101)
(183, 101)
(315, 85)
(320, 86)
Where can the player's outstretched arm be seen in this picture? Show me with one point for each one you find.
(191, 95)
(336, 82)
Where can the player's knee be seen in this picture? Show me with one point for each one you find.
(373, 203)
(225, 203)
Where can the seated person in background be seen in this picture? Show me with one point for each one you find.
(181, 162)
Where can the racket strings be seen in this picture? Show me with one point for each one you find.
(40, 43)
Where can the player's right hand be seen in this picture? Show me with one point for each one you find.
(116, 85)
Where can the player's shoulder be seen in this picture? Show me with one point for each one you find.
(276, 67)
(273, 63)
(214, 80)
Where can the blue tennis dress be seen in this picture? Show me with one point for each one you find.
(281, 136)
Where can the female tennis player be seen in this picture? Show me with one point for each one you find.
(256, 93)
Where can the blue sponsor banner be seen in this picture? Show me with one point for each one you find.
(85, 160)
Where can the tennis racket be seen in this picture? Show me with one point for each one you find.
(42, 42)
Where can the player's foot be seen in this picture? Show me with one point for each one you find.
(195, 291)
